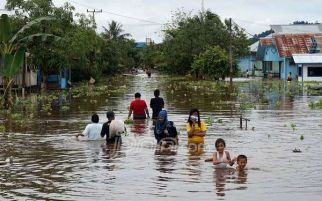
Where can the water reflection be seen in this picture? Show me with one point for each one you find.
(49, 164)
(139, 126)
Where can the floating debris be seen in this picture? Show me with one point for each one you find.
(297, 150)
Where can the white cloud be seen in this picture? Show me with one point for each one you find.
(254, 15)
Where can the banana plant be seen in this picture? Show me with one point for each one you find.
(12, 50)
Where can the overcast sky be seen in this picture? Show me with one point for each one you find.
(253, 15)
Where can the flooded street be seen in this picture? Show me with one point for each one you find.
(49, 164)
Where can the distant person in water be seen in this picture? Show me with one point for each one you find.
(139, 108)
(148, 72)
(241, 162)
(165, 132)
(92, 131)
(112, 129)
(156, 104)
(289, 77)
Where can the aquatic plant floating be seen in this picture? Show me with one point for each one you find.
(302, 137)
(293, 126)
(128, 121)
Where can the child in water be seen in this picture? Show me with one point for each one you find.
(241, 162)
(221, 158)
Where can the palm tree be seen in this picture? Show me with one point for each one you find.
(114, 31)
(12, 51)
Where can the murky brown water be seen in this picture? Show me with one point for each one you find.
(48, 163)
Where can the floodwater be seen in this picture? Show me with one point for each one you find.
(49, 164)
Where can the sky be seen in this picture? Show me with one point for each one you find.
(146, 18)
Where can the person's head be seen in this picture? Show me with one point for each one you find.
(241, 161)
(137, 95)
(162, 117)
(194, 116)
(110, 115)
(220, 145)
(157, 93)
(95, 118)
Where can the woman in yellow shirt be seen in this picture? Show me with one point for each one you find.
(196, 128)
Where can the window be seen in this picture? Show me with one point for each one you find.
(314, 71)
(300, 71)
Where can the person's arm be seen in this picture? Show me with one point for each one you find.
(215, 160)
(103, 130)
(209, 160)
(151, 103)
(130, 113)
(146, 109)
(147, 112)
(190, 129)
(202, 131)
(85, 132)
(229, 161)
(162, 103)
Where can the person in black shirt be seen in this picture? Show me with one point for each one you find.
(106, 130)
(156, 104)
(164, 131)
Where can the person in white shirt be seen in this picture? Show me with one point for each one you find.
(93, 130)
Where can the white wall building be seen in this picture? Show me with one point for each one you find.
(310, 66)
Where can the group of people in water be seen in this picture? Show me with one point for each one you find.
(165, 131)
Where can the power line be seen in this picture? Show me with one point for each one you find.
(94, 11)
(116, 14)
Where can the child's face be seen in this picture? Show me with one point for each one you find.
(220, 147)
(242, 163)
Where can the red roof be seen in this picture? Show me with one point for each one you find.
(288, 44)
(266, 41)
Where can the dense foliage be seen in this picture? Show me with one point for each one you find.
(91, 54)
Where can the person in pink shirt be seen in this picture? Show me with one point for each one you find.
(139, 108)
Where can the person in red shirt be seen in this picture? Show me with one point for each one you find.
(139, 108)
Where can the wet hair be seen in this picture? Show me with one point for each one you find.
(157, 93)
(241, 156)
(220, 140)
(95, 118)
(191, 112)
(137, 95)
(110, 114)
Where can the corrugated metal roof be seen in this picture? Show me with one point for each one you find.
(266, 41)
(289, 44)
(254, 47)
(308, 58)
(297, 29)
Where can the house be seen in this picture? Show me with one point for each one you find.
(309, 65)
(27, 77)
(276, 52)
(247, 63)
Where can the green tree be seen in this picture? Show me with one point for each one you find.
(212, 63)
(188, 36)
(118, 53)
(114, 31)
(12, 49)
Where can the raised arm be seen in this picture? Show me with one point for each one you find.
(130, 113)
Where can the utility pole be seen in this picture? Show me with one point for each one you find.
(230, 52)
(202, 7)
(94, 11)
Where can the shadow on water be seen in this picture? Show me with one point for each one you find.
(48, 163)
